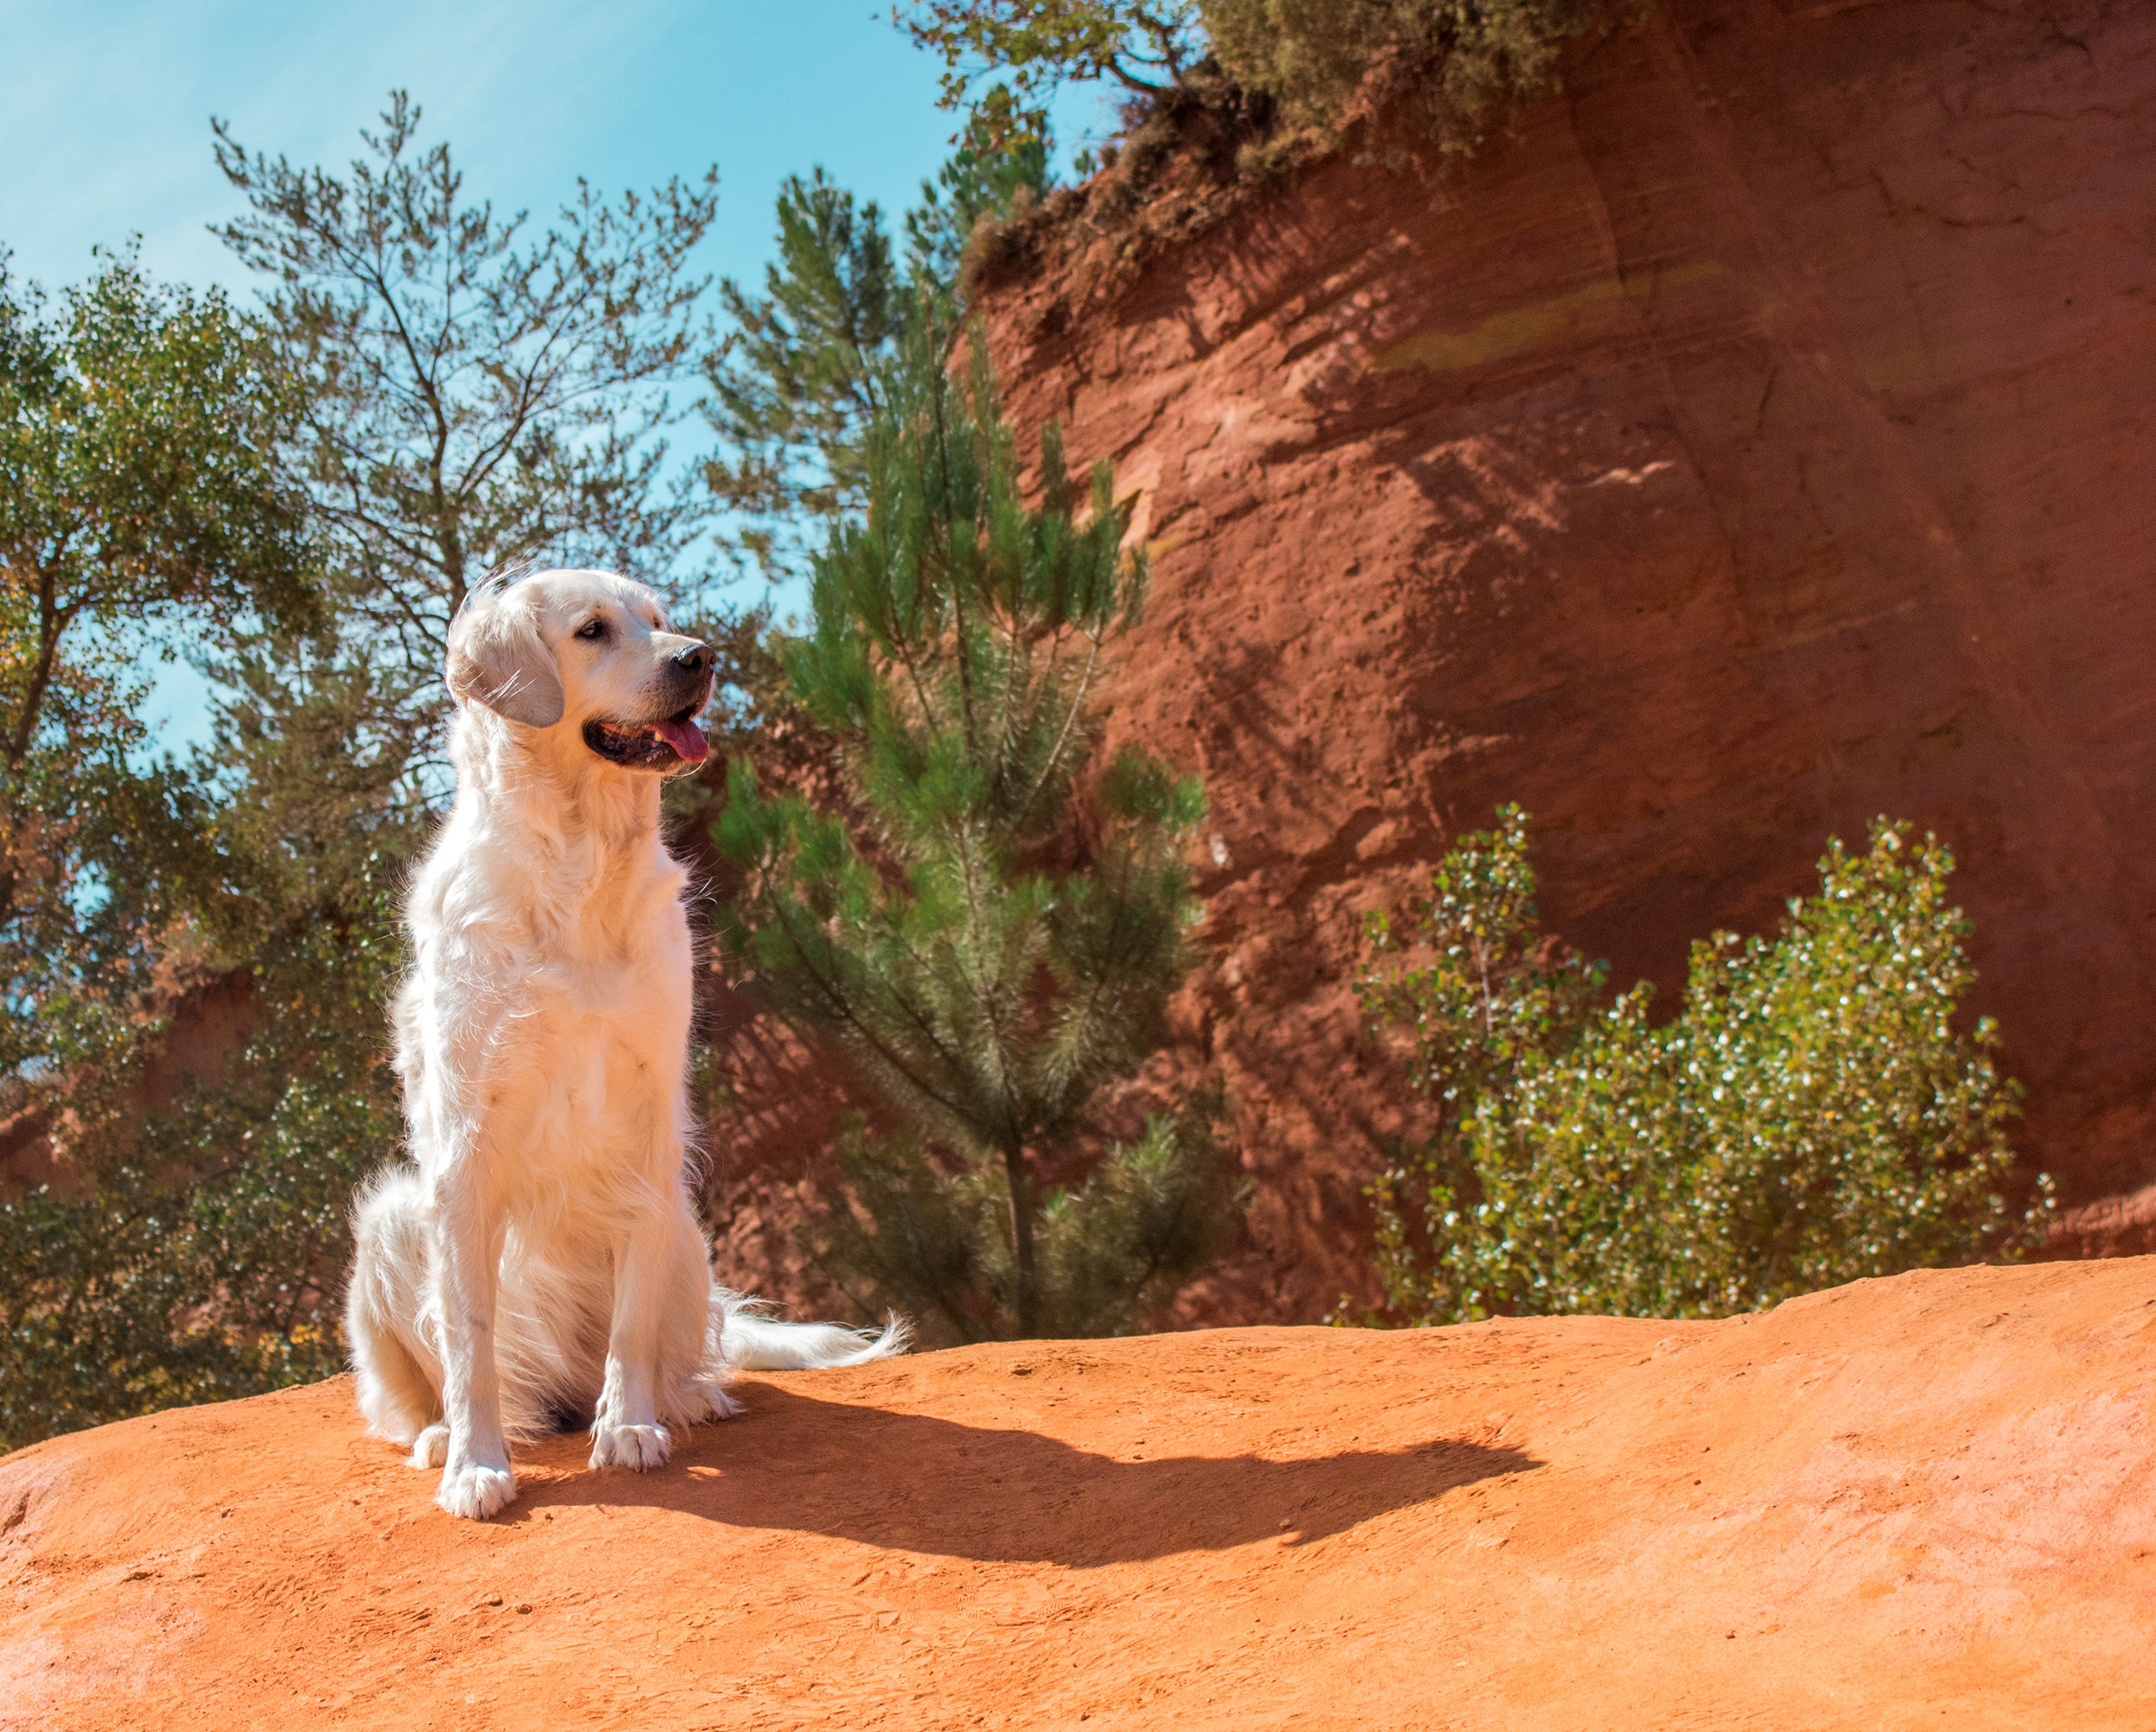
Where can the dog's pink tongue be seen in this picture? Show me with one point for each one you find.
(684, 737)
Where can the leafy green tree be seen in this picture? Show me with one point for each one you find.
(139, 499)
(1032, 47)
(205, 1259)
(1007, 943)
(141, 507)
(1811, 1115)
(473, 394)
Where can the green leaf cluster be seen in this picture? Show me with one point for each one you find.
(1004, 938)
(1031, 47)
(1462, 61)
(1812, 1115)
(1466, 58)
(139, 495)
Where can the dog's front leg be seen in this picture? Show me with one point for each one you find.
(467, 1235)
(625, 1431)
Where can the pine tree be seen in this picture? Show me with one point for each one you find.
(986, 177)
(1009, 938)
(797, 380)
(804, 372)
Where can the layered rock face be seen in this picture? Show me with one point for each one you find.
(1755, 441)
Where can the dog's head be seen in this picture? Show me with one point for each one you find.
(587, 653)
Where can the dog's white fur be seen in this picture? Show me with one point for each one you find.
(539, 1258)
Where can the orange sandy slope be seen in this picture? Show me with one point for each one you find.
(1922, 1501)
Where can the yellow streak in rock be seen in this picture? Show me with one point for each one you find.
(1524, 329)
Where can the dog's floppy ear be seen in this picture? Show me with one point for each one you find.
(498, 658)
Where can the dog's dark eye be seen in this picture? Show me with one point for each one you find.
(592, 631)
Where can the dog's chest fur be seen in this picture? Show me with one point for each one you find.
(554, 968)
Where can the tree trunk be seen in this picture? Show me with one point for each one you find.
(1020, 1179)
(52, 620)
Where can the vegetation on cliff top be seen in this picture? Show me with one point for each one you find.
(1459, 63)
(1224, 96)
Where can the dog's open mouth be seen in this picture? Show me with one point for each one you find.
(649, 744)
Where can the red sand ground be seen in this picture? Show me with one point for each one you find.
(1923, 1501)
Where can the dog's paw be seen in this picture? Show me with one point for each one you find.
(711, 1402)
(641, 1447)
(431, 1447)
(474, 1491)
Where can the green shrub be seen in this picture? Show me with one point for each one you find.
(200, 1254)
(1465, 57)
(1810, 1116)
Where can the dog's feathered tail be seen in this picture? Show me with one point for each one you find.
(750, 1339)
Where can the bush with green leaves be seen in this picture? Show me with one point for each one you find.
(1002, 939)
(1813, 1113)
(1463, 60)
(199, 1254)
(1030, 48)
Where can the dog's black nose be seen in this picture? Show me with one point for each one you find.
(698, 659)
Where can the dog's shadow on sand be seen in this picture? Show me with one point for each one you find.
(909, 1481)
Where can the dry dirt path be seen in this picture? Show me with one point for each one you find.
(1924, 1501)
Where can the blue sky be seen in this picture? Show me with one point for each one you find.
(106, 130)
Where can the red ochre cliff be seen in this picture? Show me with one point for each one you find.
(1755, 441)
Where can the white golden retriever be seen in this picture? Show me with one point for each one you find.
(538, 1263)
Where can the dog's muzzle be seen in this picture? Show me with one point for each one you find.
(673, 740)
